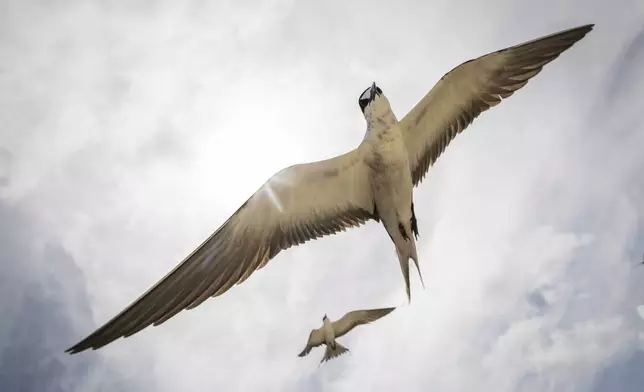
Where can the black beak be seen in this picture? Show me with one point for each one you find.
(372, 93)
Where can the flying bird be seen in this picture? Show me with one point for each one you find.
(331, 330)
(374, 181)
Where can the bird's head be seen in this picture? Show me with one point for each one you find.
(325, 318)
(373, 102)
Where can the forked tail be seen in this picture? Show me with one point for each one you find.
(403, 259)
(331, 353)
(414, 256)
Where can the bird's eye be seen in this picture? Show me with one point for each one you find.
(378, 91)
(363, 103)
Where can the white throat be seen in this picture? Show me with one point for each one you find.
(379, 119)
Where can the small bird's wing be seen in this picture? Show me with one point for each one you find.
(316, 338)
(470, 89)
(358, 317)
(297, 204)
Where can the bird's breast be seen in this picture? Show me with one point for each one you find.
(329, 334)
(387, 155)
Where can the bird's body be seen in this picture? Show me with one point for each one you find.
(374, 181)
(329, 334)
(392, 186)
(330, 331)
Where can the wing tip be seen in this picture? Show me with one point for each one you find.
(587, 28)
(75, 349)
(91, 342)
(78, 347)
(387, 311)
(571, 35)
(83, 345)
(579, 32)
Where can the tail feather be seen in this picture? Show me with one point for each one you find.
(403, 259)
(414, 257)
(404, 266)
(420, 275)
(331, 353)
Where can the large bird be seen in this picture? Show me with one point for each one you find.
(331, 330)
(372, 182)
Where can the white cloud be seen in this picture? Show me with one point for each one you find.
(135, 130)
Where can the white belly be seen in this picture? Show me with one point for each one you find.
(391, 181)
(329, 333)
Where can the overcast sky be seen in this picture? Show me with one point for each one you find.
(130, 132)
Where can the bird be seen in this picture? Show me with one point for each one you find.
(372, 182)
(331, 330)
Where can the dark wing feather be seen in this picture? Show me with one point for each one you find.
(316, 338)
(472, 88)
(358, 317)
(298, 204)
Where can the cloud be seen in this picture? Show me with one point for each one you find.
(5, 167)
(135, 130)
(44, 304)
(623, 375)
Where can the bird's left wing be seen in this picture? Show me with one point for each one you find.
(472, 88)
(358, 317)
(297, 204)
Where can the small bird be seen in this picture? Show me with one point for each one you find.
(374, 181)
(333, 330)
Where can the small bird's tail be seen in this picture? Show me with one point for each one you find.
(331, 353)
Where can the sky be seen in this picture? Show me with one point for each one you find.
(132, 130)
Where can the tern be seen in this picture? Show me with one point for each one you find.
(374, 181)
(331, 330)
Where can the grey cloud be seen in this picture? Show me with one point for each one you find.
(624, 375)
(44, 306)
(537, 300)
(626, 72)
(5, 167)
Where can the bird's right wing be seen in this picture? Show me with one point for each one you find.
(358, 317)
(316, 338)
(472, 88)
(298, 204)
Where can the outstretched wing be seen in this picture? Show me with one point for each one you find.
(358, 317)
(316, 338)
(472, 88)
(298, 204)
